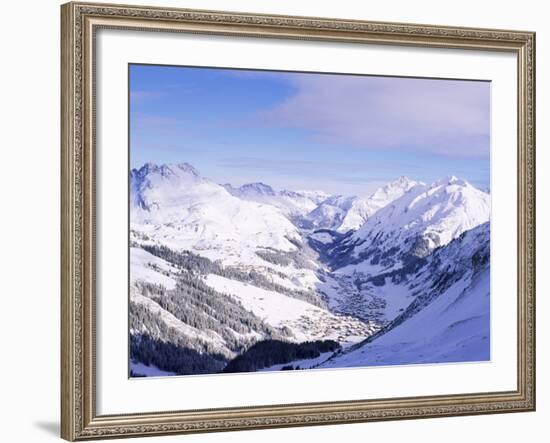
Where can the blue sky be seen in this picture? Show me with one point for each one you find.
(344, 134)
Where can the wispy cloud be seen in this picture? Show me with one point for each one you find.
(422, 115)
(344, 172)
(339, 133)
(334, 177)
(288, 166)
(316, 167)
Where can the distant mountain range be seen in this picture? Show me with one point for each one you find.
(216, 269)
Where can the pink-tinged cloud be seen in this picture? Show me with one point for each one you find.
(447, 117)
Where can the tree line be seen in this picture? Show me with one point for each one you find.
(273, 352)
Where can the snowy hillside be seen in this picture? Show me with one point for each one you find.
(303, 320)
(216, 271)
(175, 206)
(192, 239)
(363, 208)
(330, 213)
(449, 319)
(371, 267)
(422, 219)
(294, 204)
(348, 213)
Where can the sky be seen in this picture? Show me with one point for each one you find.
(343, 134)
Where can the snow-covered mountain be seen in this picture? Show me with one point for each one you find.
(295, 204)
(216, 269)
(423, 218)
(319, 210)
(363, 208)
(348, 213)
(394, 242)
(212, 273)
(218, 312)
(448, 317)
(330, 213)
(173, 205)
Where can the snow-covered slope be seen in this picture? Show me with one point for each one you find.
(371, 268)
(317, 209)
(215, 269)
(363, 208)
(175, 206)
(330, 213)
(348, 213)
(149, 268)
(448, 319)
(304, 321)
(295, 204)
(149, 271)
(214, 273)
(413, 225)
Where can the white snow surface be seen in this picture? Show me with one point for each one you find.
(453, 328)
(437, 213)
(173, 322)
(451, 324)
(306, 321)
(148, 371)
(363, 208)
(330, 212)
(290, 203)
(323, 237)
(142, 268)
(173, 205)
(347, 213)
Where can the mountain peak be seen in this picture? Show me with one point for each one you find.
(404, 180)
(146, 169)
(393, 190)
(436, 215)
(450, 180)
(186, 167)
(166, 169)
(258, 188)
(179, 168)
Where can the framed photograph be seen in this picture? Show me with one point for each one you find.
(283, 221)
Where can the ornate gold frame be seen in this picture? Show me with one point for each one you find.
(79, 420)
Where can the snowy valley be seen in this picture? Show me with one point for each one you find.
(249, 278)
